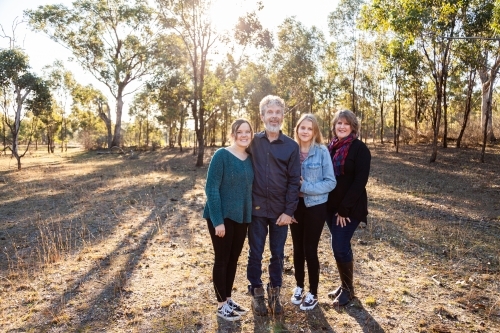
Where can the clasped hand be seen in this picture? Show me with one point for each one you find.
(285, 219)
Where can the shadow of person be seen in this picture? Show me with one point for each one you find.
(365, 320)
(224, 326)
(270, 323)
(317, 321)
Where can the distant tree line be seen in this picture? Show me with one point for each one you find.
(409, 70)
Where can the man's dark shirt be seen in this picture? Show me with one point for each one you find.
(276, 182)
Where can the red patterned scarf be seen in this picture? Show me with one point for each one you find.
(340, 148)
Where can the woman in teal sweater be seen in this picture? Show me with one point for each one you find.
(228, 212)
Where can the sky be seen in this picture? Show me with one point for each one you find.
(42, 51)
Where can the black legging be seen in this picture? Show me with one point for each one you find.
(305, 235)
(227, 251)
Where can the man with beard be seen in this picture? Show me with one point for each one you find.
(275, 194)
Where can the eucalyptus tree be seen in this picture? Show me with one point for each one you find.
(144, 108)
(342, 23)
(480, 20)
(295, 66)
(114, 40)
(252, 85)
(61, 82)
(220, 101)
(171, 94)
(466, 54)
(90, 104)
(51, 125)
(169, 86)
(403, 63)
(190, 19)
(22, 93)
(328, 88)
(429, 25)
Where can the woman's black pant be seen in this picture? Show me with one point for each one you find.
(227, 250)
(305, 236)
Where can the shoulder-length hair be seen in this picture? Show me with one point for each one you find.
(317, 136)
(236, 125)
(348, 116)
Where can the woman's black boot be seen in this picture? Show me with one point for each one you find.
(347, 289)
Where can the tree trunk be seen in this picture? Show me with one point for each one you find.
(488, 76)
(118, 125)
(399, 119)
(445, 116)
(181, 127)
(225, 124)
(63, 134)
(4, 133)
(437, 120)
(485, 137)
(49, 140)
(468, 103)
(486, 109)
(354, 78)
(416, 116)
(17, 128)
(106, 119)
(140, 134)
(147, 132)
(395, 115)
(381, 115)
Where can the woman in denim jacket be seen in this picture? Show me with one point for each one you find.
(317, 180)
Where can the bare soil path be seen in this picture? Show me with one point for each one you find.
(105, 243)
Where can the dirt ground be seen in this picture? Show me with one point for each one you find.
(116, 243)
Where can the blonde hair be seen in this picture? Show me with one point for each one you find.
(317, 136)
(350, 117)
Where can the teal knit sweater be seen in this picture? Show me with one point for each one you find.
(228, 188)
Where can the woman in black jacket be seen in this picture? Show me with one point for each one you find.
(347, 203)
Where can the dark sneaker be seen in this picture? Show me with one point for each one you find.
(236, 307)
(274, 300)
(226, 313)
(297, 295)
(309, 302)
(258, 302)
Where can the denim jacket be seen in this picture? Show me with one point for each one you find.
(317, 172)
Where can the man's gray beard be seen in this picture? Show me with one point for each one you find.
(273, 129)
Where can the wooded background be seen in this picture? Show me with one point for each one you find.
(413, 72)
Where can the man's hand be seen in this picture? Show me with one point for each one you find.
(284, 220)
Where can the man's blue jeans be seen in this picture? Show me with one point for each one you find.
(341, 238)
(257, 234)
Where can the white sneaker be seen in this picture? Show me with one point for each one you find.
(236, 307)
(297, 295)
(309, 302)
(226, 313)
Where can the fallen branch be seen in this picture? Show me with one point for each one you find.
(436, 281)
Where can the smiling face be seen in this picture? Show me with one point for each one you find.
(342, 128)
(305, 132)
(243, 135)
(272, 118)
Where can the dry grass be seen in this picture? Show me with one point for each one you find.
(105, 243)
